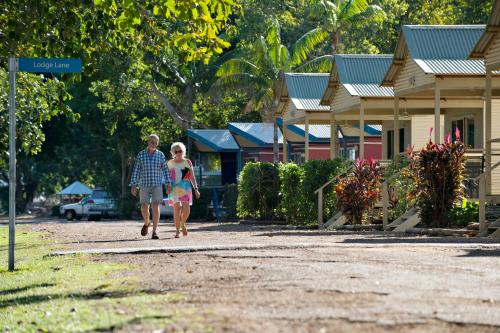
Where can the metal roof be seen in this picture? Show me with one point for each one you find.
(261, 134)
(488, 36)
(305, 90)
(441, 41)
(362, 68)
(321, 133)
(360, 74)
(437, 49)
(369, 90)
(219, 140)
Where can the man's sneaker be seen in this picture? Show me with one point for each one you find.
(155, 236)
(144, 230)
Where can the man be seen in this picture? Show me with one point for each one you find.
(149, 174)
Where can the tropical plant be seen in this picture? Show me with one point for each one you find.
(336, 15)
(401, 186)
(438, 173)
(257, 70)
(358, 192)
(463, 213)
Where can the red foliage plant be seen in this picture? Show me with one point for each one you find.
(437, 172)
(359, 191)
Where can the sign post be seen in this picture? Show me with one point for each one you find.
(31, 65)
(12, 158)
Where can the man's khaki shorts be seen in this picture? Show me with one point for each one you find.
(151, 194)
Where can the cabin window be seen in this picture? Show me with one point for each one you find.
(390, 142)
(467, 130)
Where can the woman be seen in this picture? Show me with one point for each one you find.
(183, 180)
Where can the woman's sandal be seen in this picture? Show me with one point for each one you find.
(184, 230)
(177, 233)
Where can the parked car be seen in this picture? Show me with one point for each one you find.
(166, 209)
(99, 204)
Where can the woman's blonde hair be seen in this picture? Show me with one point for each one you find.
(177, 145)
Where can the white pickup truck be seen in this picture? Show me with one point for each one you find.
(98, 204)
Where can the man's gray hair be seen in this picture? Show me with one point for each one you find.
(154, 136)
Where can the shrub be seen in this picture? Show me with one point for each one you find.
(438, 173)
(316, 173)
(291, 192)
(401, 187)
(258, 190)
(461, 215)
(359, 191)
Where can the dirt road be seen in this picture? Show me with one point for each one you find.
(307, 281)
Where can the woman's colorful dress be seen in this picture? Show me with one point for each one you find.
(180, 175)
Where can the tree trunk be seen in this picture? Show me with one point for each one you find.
(335, 41)
(123, 159)
(172, 110)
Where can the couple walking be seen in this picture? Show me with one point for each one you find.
(151, 172)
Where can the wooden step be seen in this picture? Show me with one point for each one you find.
(410, 212)
(409, 223)
(335, 221)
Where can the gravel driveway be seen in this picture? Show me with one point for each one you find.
(279, 280)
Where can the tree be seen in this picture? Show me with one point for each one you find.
(336, 16)
(256, 70)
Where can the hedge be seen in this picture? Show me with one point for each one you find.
(271, 191)
(258, 190)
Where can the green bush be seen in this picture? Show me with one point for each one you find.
(291, 192)
(461, 215)
(316, 173)
(258, 190)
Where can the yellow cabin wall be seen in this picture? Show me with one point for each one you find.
(343, 98)
(411, 76)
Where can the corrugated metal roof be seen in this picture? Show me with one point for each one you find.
(305, 90)
(369, 90)
(453, 66)
(437, 49)
(441, 41)
(362, 68)
(259, 133)
(217, 139)
(316, 132)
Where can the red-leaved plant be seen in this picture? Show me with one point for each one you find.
(438, 173)
(358, 192)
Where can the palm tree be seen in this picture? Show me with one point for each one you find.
(336, 15)
(258, 71)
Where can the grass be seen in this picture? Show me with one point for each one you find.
(74, 293)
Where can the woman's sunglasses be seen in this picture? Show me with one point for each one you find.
(177, 151)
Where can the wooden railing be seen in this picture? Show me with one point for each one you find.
(385, 199)
(319, 192)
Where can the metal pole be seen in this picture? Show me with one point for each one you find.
(12, 159)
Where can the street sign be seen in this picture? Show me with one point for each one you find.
(31, 65)
(50, 65)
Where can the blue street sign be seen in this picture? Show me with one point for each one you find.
(53, 65)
